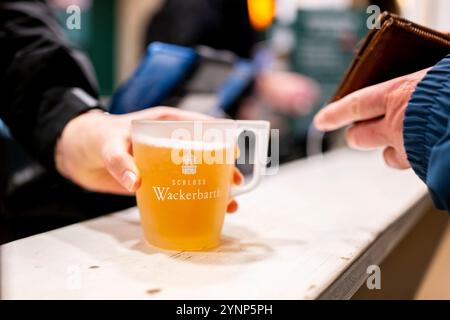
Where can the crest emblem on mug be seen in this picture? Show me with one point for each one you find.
(188, 166)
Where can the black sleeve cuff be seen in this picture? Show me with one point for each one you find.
(59, 106)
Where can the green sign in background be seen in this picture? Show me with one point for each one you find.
(326, 41)
(97, 38)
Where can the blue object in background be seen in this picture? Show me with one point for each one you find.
(166, 67)
(4, 131)
(241, 77)
(163, 67)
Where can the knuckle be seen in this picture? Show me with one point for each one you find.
(389, 158)
(386, 159)
(164, 113)
(355, 108)
(352, 137)
(116, 159)
(323, 116)
(389, 97)
(111, 157)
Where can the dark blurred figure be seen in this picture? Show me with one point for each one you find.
(225, 25)
(387, 5)
(220, 24)
(38, 70)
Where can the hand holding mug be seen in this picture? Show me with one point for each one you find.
(94, 150)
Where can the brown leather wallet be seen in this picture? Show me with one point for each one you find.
(398, 48)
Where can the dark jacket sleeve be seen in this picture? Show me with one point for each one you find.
(44, 83)
(426, 132)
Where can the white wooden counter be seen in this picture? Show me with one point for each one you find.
(308, 232)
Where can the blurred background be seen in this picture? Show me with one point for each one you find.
(278, 60)
(312, 38)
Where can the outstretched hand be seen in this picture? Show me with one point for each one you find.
(375, 115)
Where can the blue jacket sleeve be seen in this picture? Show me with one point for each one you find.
(426, 132)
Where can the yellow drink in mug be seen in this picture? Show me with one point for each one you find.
(187, 172)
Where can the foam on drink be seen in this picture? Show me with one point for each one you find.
(180, 144)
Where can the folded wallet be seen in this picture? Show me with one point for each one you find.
(397, 48)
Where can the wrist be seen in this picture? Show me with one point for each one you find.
(426, 118)
(75, 139)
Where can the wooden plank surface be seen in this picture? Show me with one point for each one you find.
(293, 238)
(348, 283)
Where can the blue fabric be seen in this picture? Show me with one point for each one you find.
(426, 132)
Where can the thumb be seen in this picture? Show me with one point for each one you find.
(120, 164)
(394, 159)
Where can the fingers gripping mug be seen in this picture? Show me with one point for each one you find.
(187, 172)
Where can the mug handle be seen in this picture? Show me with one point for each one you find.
(261, 132)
